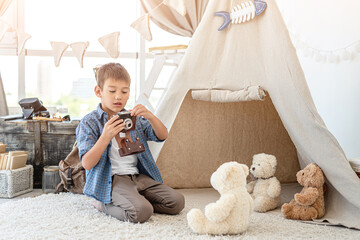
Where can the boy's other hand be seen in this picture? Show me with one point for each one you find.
(112, 127)
(141, 110)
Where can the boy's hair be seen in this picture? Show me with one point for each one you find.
(111, 70)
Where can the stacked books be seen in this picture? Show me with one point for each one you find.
(2, 147)
(13, 159)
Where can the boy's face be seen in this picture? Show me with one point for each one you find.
(114, 95)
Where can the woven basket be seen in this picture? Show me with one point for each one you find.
(16, 182)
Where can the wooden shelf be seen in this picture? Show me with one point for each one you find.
(166, 49)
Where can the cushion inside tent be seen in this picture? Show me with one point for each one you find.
(206, 134)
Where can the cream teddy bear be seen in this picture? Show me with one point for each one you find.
(266, 189)
(231, 213)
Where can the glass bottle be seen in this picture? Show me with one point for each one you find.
(50, 179)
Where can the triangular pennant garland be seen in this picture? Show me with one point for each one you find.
(177, 5)
(22, 37)
(111, 44)
(79, 49)
(143, 27)
(58, 50)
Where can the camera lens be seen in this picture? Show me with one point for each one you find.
(128, 123)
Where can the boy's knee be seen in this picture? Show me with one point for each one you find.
(180, 203)
(177, 203)
(142, 213)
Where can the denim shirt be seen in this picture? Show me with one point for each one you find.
(98, 179)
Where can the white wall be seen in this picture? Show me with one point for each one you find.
(330, 25)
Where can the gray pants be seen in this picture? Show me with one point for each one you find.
(136, 197)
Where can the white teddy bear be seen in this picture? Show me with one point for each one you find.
(231, 213)
(266, 189)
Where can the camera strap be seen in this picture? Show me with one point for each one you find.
(119, 140)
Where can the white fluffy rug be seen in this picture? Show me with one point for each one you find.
(70, 216)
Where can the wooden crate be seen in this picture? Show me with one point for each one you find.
(46, 142)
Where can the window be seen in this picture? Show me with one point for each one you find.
(9, 75)
(162, 38)
(68, 89)
(80, 20)
(161, 83)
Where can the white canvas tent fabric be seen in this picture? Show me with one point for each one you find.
(260, 52)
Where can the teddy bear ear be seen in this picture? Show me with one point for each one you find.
(258, 156)
(317, 175)
(314, 168)
(311, 167)
(272, 160)
(245, 169)
(226, 172)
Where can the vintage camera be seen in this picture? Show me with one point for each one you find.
(126, 147)
(31, 106)
(129, 120)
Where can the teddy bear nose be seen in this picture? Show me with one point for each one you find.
(253, 168)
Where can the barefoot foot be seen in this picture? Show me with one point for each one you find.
(97, 205)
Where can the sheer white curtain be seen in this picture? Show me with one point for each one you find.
(4, 5)
(3, 105)
(5, 26)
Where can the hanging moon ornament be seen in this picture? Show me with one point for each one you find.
(241, 13)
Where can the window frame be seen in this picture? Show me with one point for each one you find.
(10, 50)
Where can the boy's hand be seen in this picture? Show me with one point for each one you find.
(112, 127)
(158, 127)
(140, 110)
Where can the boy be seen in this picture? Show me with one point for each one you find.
(128, 188)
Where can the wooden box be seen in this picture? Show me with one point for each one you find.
(46, 142)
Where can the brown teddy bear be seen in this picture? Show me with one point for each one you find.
(309, 203)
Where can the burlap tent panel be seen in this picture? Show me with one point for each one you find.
(207, 134)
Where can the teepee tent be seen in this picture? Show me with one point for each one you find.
(253, 55)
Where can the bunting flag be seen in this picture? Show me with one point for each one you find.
(4, 28)
(142, 25)
(177, 5)
(111, 44)
(58, 50)
(79, 49)
(22, 38)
